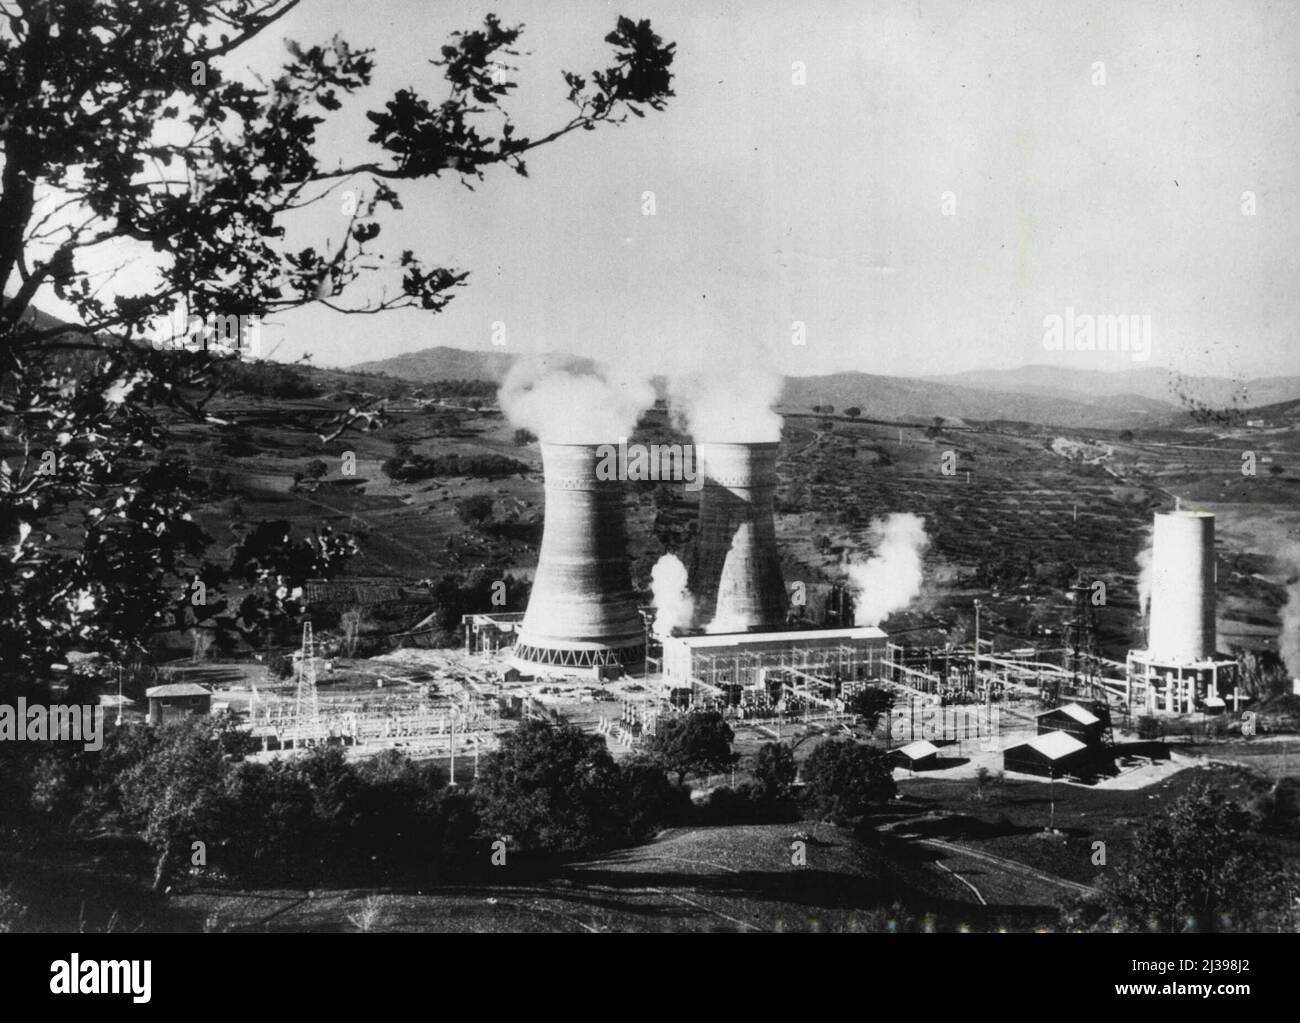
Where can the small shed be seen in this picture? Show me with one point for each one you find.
(1072, 719)
(915, 756)
(1053, 755)
(177, 699)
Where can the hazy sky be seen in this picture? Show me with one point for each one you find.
(822, 202)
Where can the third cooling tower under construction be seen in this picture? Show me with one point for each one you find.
(582, 612)
(736, 573)
(1182, 587)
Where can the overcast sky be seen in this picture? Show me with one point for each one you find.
(823, 203)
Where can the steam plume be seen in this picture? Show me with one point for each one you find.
(1288, 640)
(729, 399)
(1144, 577)
(674, 604)
(568, 405)
(891, 579)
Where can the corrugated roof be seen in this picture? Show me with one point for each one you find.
(742, 638)
(178, 689)
(917, 750)
(1053, 745)
(1080, 714)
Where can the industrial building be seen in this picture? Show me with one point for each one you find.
(1073, 719)
(915, 756)
(582, 612)
(735, 574)
(1181, 667)
(742, 658)
(177, 699)
(1053, 755)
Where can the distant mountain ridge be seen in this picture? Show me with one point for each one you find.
(1156, 383)
(1145, 396)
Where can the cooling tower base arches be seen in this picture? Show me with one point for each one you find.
(540, 656)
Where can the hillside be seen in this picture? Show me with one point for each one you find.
(880, 397)
(1153, 383)
(443, 363)
(883, 397)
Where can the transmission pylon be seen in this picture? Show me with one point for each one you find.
(307, 702)
(1083, 652)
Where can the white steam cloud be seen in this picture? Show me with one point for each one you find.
(1144, 577)
(1288, 639)
(566, 405)
(674, 605)
(1288, 636)
(891, 579)
(728, 399)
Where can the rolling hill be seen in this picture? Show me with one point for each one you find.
(880, 397)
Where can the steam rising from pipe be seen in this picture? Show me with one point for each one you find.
(674, 605)
(568, 405)
(1145, 577)
(891, 579)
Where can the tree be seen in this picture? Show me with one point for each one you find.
(524, 437)
(173, 792)
(846, 780)
(694, 743)
(870, 703)
(551, 789)
(650, 800)
(853, 412)
(1195, 866)
(129, 135)
(774, 771)
(474, 510)
(315, 469)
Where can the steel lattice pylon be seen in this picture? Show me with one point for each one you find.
(307, 703)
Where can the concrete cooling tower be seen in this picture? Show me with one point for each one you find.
(582, 612)
(1182, 588)
(1181, 670)
(736, 572)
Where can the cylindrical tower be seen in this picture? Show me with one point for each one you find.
(736, 571)
(1182, 587)
(582, 612)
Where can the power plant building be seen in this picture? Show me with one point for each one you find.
(1181, 667)
(582, 611)
(741, 658)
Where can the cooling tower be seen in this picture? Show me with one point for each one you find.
(1182, 588)
(736, 573)
(582, 612)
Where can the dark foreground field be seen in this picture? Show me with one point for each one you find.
(944, 856)
(738, 878)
